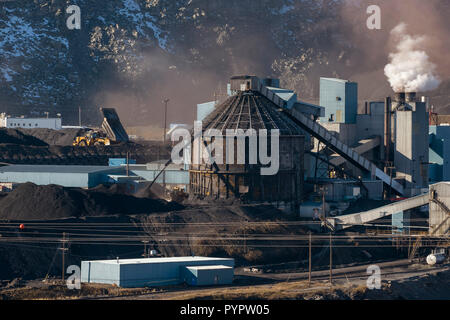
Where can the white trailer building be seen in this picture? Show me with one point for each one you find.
(29, 123)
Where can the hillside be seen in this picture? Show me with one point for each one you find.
(130, 54)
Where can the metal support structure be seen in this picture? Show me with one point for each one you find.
(323, 135)
(165, 101)
(331, 259)
(145, 255)
(63, 252)
(310, 258)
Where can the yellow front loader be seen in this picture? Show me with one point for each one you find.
(92, 138)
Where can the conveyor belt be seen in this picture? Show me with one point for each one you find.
(349, 220)
(324, 136)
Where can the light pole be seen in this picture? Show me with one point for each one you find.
(164, 137)
(165, 119)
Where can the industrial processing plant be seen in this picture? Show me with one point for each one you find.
(173, 158)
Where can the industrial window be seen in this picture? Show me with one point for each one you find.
(338, 99)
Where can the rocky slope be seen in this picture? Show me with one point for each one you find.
(130, 54)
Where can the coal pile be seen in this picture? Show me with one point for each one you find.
(54, 147)
(32, 202)
(39, 137)
(16, 136)
(68, 155)
(154, 191)
(63, 137)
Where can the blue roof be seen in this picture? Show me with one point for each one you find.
(57, 169)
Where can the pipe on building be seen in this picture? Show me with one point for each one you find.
(387, 129)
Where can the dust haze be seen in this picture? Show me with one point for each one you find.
(427, 19)
(365, 55)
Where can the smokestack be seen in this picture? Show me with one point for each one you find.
(426, 100)
(387, 129)
(400, 97)
(410, 97)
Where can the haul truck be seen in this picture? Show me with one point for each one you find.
(111, 131)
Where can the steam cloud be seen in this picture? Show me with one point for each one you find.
(410, 69)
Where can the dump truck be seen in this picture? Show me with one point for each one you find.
(111, 131)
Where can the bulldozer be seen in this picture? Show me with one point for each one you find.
(110, 132)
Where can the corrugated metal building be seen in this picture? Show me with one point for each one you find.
(208, 275)
(30, 123)
(411, 148)
(175, 175)
(340, 99)
(67, 176)
(158, 271)
(203, 109)
(439, 208)
(439, 153)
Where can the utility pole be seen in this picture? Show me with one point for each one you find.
(128, 164)
(63, 251)
(164, 138)
(165, 119)
(309, 274)
(245, 238)
(323, 203)
(331, 259)
(145, 248)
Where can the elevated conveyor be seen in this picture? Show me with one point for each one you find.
(349, 220)
(324, 136)
(363, 147)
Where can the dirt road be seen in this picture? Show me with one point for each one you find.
(408, 279)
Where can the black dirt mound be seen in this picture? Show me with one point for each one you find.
(39, 137)
(16, 136)
(63, 137)
(154, 192)
(32, 202)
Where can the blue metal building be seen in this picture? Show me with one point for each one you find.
(67, 176)
(174, 174)
(208, 275)
(203, 109)
(340, 99)
(439, 153)
(158, 271)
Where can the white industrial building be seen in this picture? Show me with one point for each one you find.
(29, 123)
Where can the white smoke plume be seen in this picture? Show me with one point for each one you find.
(410, 69)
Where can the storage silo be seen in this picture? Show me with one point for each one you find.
(249, 109)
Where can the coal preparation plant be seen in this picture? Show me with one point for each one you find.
(249, 109)
(379, 152)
